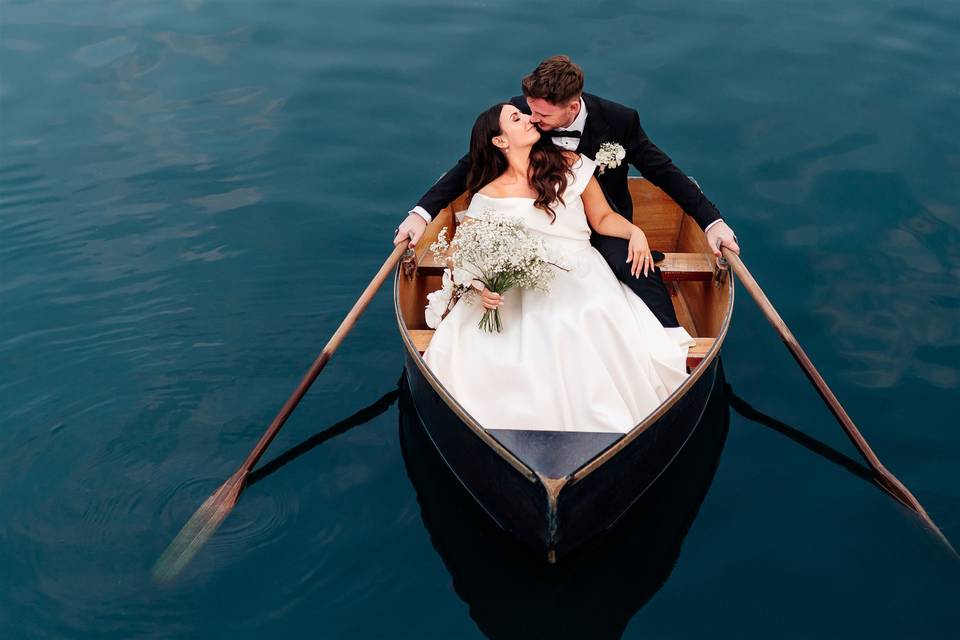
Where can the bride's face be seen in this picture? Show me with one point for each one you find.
(516, 130)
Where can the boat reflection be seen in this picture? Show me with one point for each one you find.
(596, 590)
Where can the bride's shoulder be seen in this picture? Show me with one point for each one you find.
(571, 157)
(492, 189)
(582, 170)
(490, 192)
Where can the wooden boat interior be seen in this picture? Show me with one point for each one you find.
(702, 299)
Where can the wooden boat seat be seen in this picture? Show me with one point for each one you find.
(421, 339)
(673, 267)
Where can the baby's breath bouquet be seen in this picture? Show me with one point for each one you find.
(498, 252)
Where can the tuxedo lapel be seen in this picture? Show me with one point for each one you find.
(596, 130)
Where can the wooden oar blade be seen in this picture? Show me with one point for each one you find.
(199, 528)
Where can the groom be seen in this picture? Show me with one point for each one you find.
(577, 121)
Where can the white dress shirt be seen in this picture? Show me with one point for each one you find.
(568, 143)
(578, 124)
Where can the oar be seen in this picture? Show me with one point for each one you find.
(883, 477)
(213, 511)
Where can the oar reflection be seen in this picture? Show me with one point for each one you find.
(858, 469)
(362, 416)
(742, 407)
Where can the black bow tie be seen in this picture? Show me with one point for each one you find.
(560, 133)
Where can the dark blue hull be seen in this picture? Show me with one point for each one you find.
(570, 486)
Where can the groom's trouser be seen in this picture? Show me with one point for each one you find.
(650, 288)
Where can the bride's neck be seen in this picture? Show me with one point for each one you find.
(518, 165)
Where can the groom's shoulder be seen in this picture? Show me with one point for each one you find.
(609, 108)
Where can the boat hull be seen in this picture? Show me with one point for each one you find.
(553, 516)
(510, 592)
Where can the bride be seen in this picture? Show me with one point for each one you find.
(587, 356)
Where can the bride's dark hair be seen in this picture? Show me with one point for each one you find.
(548, 166)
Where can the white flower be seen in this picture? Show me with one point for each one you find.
(439, 300)
(609, 156)
(441, 244)
(437, 304)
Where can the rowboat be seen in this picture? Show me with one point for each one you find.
(555, 490)
(509, 591)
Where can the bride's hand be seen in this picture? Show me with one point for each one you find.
(489, 299)
(638, 252)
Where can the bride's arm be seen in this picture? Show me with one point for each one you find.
(608, 222)
(601, 217)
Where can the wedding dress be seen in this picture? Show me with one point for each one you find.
(586, 356)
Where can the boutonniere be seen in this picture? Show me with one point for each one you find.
(609, 156)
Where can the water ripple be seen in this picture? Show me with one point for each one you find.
(260, 519)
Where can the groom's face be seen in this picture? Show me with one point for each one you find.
(548, 116)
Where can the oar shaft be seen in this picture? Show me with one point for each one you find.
(216, 508)
(750, 284)
(886, 479)
(345, 326)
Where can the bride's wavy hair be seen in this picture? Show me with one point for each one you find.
(548, 167)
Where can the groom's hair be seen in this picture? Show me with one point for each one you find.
(557, 80)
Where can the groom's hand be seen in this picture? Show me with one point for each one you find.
(411, 228)
(720, 234)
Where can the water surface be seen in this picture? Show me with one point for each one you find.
(193, 193)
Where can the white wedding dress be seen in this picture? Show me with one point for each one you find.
(587, 356)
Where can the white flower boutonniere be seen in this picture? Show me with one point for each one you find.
(609, 156)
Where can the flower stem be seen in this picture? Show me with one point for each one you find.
(490, 321)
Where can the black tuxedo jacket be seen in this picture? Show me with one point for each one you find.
(606, 122)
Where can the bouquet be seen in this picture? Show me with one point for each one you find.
(494, 250)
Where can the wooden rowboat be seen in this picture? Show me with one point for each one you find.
(556, 490)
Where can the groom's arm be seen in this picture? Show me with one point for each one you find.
(658, 168)
(444, 191)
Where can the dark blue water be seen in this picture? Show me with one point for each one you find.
(193, 193)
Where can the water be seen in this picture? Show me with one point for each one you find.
(193, 193)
